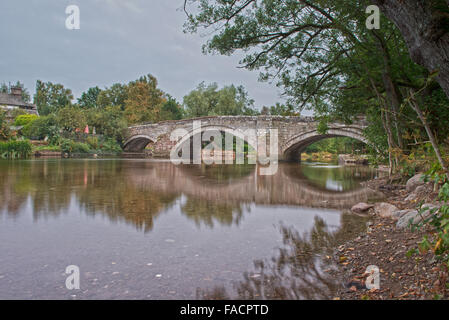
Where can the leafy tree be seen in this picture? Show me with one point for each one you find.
(325, 58)
(71, 118)
(44, 126)
(51, 97)
(280, 110)
(5, 133)
(109, 121)
(89, 99)
(171, 110)
(208, 100)
(116, 95)
(144, 101)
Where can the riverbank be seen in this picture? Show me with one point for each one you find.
(387, 243)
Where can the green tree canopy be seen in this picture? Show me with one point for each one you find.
(50, 97)
(144, 101)
(171, 109)
(71, 118)
(116, 95)
(208, 100)
(89, 98)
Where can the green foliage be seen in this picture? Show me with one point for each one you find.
(327, 61)
(15, 149)
(70, 146)
(144, 101)
(92, 145)
(5, 133)
(71, 118)
(279, 109)
(171, 110)
(23, 120)
(93, 142)
(438, 220)
(46, 126)
(88, 100)
(47, 148)
(109, 146)
(109, 121)
(208, 100)
(339, 145)
(375, 133)
(323, 127)
(115, 96)
(50, 97)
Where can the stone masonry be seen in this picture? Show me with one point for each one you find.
(294, 133)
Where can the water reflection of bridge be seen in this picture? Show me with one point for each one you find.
(139, 191)
(288, 187)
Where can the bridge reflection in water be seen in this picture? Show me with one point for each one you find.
(148, 196)
(140, 190)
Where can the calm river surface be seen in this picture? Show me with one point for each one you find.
(142, 229)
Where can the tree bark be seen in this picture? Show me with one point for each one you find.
(424, 25)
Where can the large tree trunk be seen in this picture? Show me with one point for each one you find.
(424, 25)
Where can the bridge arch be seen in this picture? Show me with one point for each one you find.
(137, 143)
(293, 148)
(222, 129)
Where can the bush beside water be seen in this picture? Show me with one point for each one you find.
(92, 145)
(15, 149)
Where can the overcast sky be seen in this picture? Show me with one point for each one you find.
(119, 41)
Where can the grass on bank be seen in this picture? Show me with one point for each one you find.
(15, 149)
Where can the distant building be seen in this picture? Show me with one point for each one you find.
(13, 100)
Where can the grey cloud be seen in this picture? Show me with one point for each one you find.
(118, 42)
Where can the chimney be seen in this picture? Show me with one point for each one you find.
(16, 92)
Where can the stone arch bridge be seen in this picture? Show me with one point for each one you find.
(294, 133)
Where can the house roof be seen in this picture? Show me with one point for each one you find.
(12, 100)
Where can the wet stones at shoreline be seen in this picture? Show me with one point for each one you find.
(361, 207)
(385, 210)
(420, 192)
(411, 216)
(414, 182)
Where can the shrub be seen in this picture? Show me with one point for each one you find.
(71, 119)
(15, 149)
(70, 146)
(110, 145)
(24, 119)
(42, 127)
(438, 221)
(93, 142)
(5, 133)
(79, 147)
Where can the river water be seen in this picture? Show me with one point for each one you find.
(142, 229)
